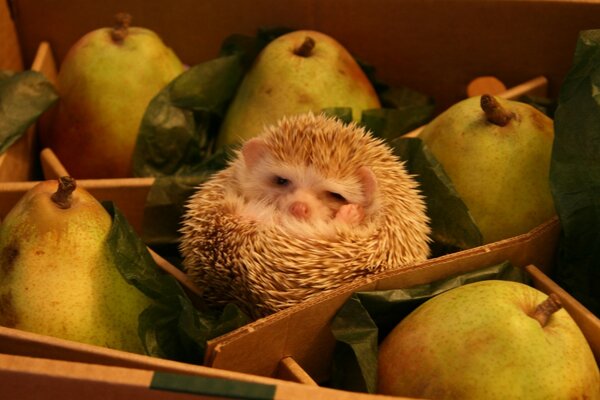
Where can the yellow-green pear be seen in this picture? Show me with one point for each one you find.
(497, 154)
(295, 73)
(57, 277)
(488, 340)
(105, 84)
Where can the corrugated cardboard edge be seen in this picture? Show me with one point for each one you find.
(26, 378)
(302, 331)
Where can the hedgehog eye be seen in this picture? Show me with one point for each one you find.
(279, 181)
(337, 196)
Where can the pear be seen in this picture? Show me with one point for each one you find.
(105, 83)
(496, 153)
(295, 73)
(57, 277)
(488, 340)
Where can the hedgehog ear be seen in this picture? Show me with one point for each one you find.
(369, 184)
(253, 151)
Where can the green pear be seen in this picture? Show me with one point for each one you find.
(497, 154)
(105, 83)
(298, 72)
(488, 340)
(57, 277)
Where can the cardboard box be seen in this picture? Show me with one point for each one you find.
(436, 47)
(290, 352)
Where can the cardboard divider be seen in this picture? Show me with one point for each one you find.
(302, 331)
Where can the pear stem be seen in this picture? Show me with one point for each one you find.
(494, 112)
(121, 28)
(305, 49)
(546, 308)
(63, 196)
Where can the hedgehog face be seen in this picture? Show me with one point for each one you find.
(300, 191)
(296, 169)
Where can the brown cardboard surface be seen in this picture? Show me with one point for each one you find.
(10, 51)
(433, 46)
(27, 378)
(302, 332)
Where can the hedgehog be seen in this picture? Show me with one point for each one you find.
(309, 205)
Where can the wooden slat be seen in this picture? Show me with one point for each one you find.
(51, 165)
(290, 370)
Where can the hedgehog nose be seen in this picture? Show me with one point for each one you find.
(299, 210)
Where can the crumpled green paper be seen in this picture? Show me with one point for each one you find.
(452, 225)
(172, 328)
(575, 174)
(24, 96)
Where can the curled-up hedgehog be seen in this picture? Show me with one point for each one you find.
(307, 206)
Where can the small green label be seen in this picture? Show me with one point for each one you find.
(229, 388)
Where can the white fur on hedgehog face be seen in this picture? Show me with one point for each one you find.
(295, 192)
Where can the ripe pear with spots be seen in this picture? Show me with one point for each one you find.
(297, 72)
(57, 275)
(105, 83)
(497, 154)
(489, 340)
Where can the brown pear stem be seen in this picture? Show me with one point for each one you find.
(305, 49)
(63, 196)
(121, 28)
(494, 112)
(546, 308)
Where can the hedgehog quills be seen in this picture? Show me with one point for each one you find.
(308, 206)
